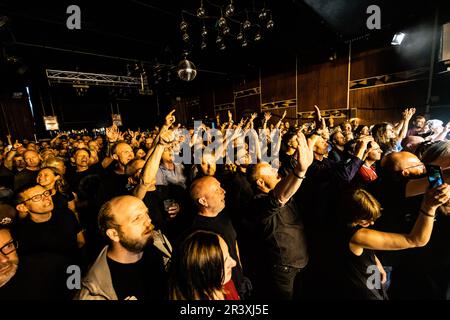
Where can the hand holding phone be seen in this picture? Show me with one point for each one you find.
(435, 176)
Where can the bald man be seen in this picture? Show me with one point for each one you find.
(132, 266)
(399, 215)
(115, 179)
(209, 197)
(402, 164)
(29, 174)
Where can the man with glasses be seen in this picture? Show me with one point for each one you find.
(49, 242)
(399, 214)
(9, 261)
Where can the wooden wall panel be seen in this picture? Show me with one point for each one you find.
(277, 85)
(323, 84)
(385, 103)
(247, 105)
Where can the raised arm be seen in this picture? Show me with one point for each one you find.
(277, 126)
(150, 169)
(407, 115)
(289, 185)
(420, 233)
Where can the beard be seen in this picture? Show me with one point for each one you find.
(5, 277)
(135, 245)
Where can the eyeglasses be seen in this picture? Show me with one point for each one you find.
(416, 166)
(9, 248)
(38, 197)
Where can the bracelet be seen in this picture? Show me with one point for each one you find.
(297, 176)
(426, 213)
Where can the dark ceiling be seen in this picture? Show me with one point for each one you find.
(148, 31)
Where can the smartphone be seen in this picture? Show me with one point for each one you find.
(435, 176)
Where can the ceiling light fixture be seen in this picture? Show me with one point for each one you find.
(246, 25)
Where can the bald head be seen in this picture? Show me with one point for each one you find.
(208, 195)
(405, 162)
(200, 187)
(32, 159)
(117, 211)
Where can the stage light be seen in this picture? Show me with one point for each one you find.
(398, 38)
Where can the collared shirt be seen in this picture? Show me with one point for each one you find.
(166, 176)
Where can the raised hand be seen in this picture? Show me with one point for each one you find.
(317, 114)
(436, 197)
(112, 133)
(267, 116)
(121, 136)
(166, 137)
(284, 115)
(305, 154)
(253, 116)
(230, 116)
(170, 118)
(408, 113)
(17, 145)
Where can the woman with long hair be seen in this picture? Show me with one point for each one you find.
(201, 269)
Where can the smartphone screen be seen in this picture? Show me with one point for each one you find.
(435, 177)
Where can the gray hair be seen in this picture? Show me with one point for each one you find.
(435, 151)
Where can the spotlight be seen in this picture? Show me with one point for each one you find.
(226, 30)
(204, 32)
(263, 14)
(244, 43)
(247, 24)
(258, 36)
(222, 46)
(229, 10)
(240, 36)
(222, 22)
(186, 70)
(219, 39)
(201, 11)
(203, 45)
(398, 38)
(185, 37)
(183, 25)
(270, 24)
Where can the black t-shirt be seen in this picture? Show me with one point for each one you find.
(46, 250)
(61, 200)
(171, 227)
(25, 177)
(281, 229)
(114, 184)
(143, 280)
(6, 177)
(355, 270)
(221, 224)
(57, 235)
(76, 179)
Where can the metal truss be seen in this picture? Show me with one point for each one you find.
(94, 79)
